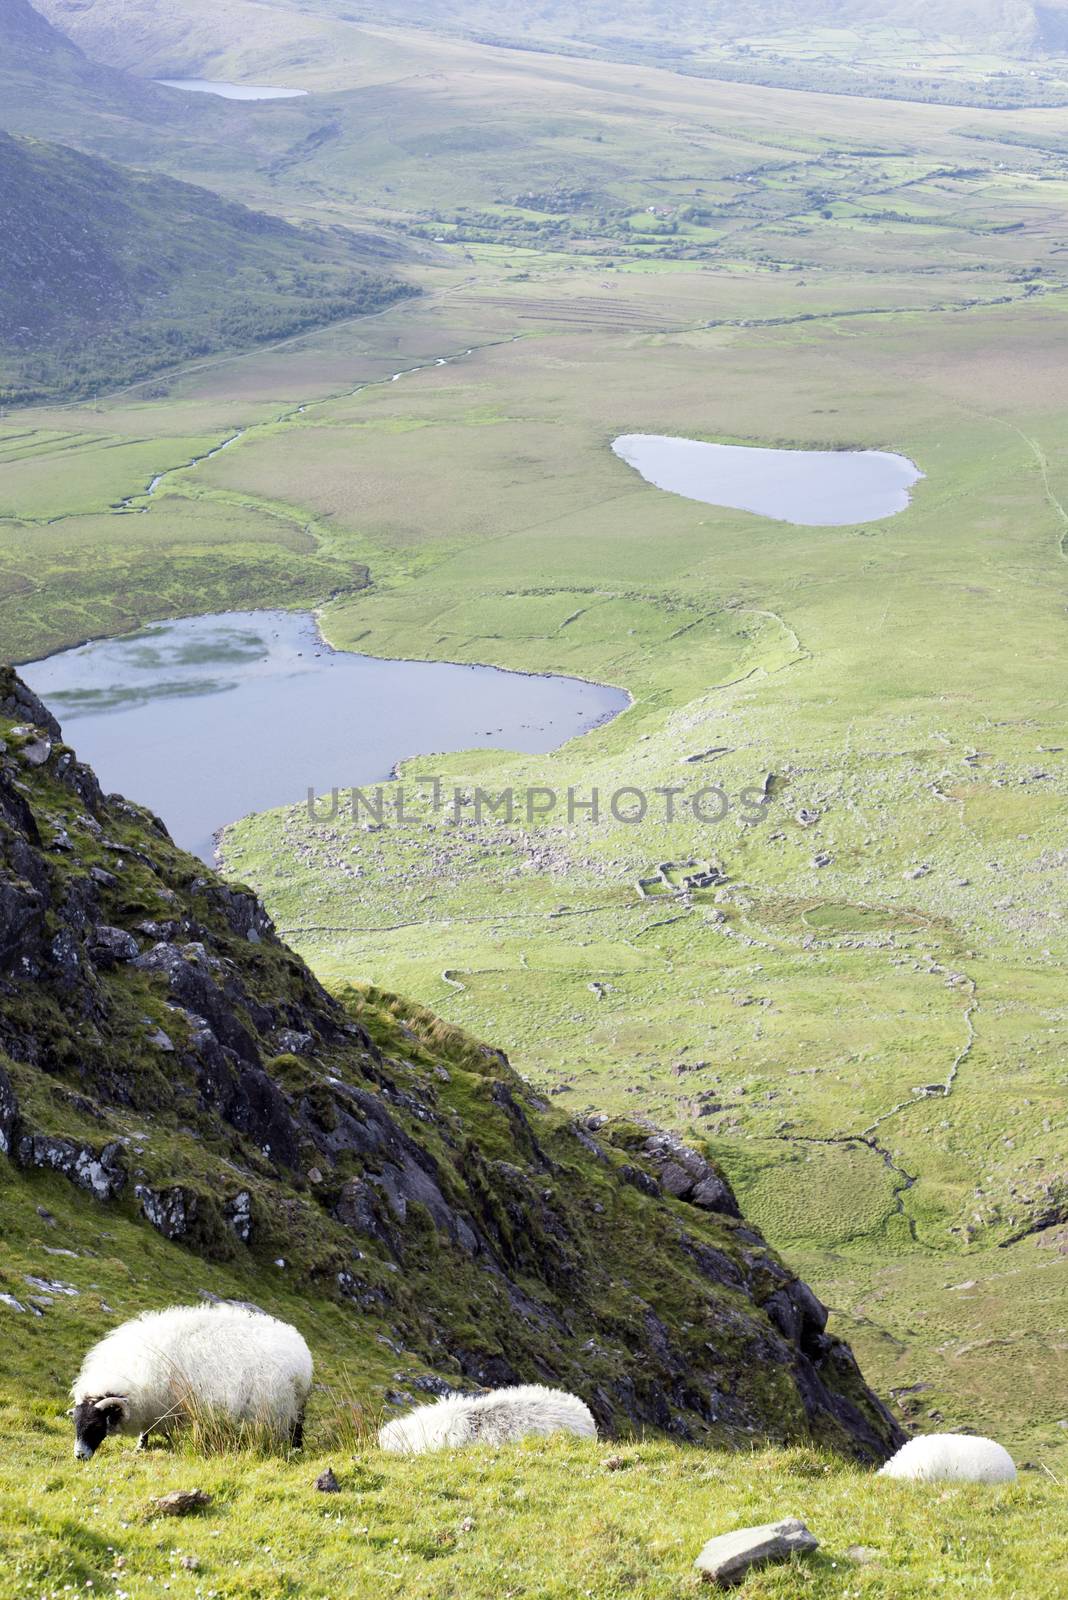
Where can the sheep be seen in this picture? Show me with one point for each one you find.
(153, 1371)
(951, 1458)
(494, 1418)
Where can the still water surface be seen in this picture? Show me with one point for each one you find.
(811, 488)
(231, 91)
(211, 717)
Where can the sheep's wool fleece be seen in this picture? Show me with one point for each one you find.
(951, 1458)
(495, 1418)
(248, 1365)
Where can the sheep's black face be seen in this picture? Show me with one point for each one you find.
(93, 1421)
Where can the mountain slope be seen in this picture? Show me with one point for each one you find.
(967, 52)
(107, 274)
(165, 1053)
(44, 75)
(983, 25)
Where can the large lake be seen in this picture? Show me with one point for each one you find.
(231, 91)
(209, 718)
(812, 488)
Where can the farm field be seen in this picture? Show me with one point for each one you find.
(866, 1013)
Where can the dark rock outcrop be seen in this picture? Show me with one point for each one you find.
(688, 1175)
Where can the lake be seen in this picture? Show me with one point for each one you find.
(209, 718)
(811, 488)
(231, 91)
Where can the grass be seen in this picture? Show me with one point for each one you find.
(540, 1520)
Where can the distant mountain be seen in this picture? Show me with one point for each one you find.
(190, 36)
(48, 84)
(108, 274)
(1015, 26)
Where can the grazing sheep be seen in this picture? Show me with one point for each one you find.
(494, 1418)
(951, 1458)
(155, 1371)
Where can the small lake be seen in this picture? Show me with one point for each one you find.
(811, 488)
(209, 718)
(231, 91)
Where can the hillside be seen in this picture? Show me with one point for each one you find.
(989, 25)
(45, 77)
(1005, 53)
(171, 1059)
(107, 274)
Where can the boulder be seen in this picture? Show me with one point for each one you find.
(107, 945)
(729, 1557)
(101, 1173)
(687, 1175)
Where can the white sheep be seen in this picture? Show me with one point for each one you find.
(495, 1418)
(154, 1372)
(951, 1458)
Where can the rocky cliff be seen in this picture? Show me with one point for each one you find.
(167, 1054)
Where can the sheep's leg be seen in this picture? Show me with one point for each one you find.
(142, 1442)
(296, 1437)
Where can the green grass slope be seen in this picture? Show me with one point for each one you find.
(536, 1522)
(107, 274)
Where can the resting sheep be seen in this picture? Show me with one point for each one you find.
(495, 1418)
(157, 1370)
(951, 1458)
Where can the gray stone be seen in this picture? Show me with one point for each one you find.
(9, 1115)
(109, 945)
(326, 1483)
(238, 1214)
(50, 1285)
(729, 1557)
(36, 752)
(102, 1173)
(170, 1211)
(179, 1503)
(687, 1175)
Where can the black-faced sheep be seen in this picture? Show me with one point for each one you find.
(165, 1366)
(495, 1418)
